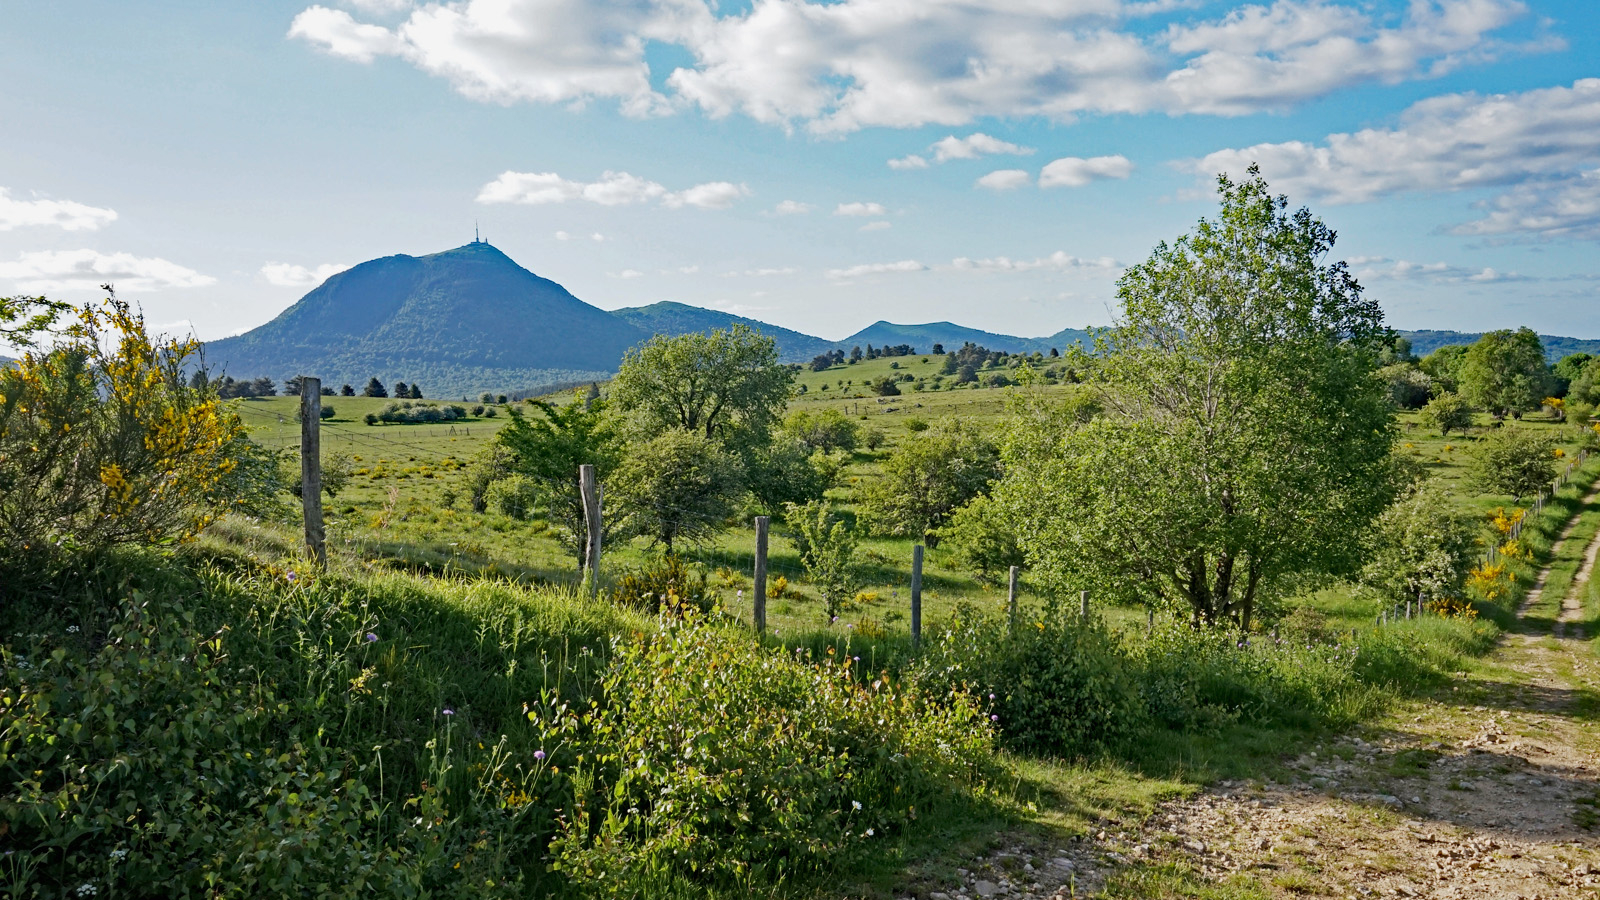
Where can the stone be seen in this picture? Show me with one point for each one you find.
(986, 889)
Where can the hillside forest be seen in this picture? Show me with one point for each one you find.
(1243, 522)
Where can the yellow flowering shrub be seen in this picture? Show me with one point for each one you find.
(1491, 581)
(102, 440)
(1505, 521)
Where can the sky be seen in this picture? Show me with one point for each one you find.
(816, 165)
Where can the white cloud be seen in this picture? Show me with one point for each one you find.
(1539, 143)
(66, 215)
(613, 189)
(381, 6)
(879, 225)
(290, 275)
(792, 208)
(908, 162)
(766, 273)
(1059, 260)
(69, 270)
(859, 208)
(845, 65)
(973, 146)
(1382, 268)
(1005, 180)
(712, 195)
(1073, 171)
(629, 273)
(904, 265)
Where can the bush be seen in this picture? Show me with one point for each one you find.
(326, 412)
(1058, 684)
(513, 495)
(665, 586)
(405, 412)
(103, 441)
(711, 764)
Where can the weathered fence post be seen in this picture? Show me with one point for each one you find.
(311, 468)
(916, 596)
(1011, 598)
(590, 490)
(760, 586)
(1083, 604)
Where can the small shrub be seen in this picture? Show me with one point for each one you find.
(513, 496)
(665, 586)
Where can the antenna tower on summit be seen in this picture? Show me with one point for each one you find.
(475, 238)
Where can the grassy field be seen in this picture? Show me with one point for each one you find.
(407, 504)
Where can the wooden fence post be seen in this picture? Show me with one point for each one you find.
(590, 489)
(1083, 604)
(1011, 598)
(311, 469)
(761, 575)
(916, 595)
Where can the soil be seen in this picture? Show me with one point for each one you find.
(1489, 790)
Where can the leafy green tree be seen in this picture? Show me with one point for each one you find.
(982, 537)
(1514, 461)
(823, 429)
(679, 485)
(549, 448)
(1422, 546)
(1448, 412)
(928, 478)
(1244, 436)
(347, 391)
(21, 318)
(1444, 366)
(726, 386)
(786, 471)
(1505, 373)
(1568, 368)
(375, 388)
(1409, 386)
(827, 548)
(887, 386)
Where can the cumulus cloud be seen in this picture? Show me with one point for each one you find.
(66, 215)
(1539, 143)
(1005, 180)
(879, 225)
(904, 265)
(1073, 171)
(859, 208)
(613, 189)
(845, 65)
(970, 147)
(629, 273)
(792, 208)
(908, 162)
(290, 275)
(1059, 260)
(69, 270)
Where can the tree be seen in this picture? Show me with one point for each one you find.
(827, 549)
(1408, 385)
(416, 391)
(1448, 412)
(787, 471)
(677, 486)
(726, 386)
(1444, 366)
(550, 447)
(1244, 436)
(1505, 373)
(1570, 367)
(824, 429)
(928, 478)
(982, 538)
(1514, 461)
(347, 391)
(264, 387)
(887, 386)
(375, 388)
(402, 390)
(292, 386)
(1421, 547)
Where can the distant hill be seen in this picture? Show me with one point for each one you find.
(1555, 346)
(668, 317)
(458, 322)
(952, 336)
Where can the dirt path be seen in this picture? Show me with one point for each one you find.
(1490, 791)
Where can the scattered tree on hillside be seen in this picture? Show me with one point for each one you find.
(402, 390)
(677, 486)
(1409, 386)
(1504, 373)
(938, 349)
(292, 386)
(1448, 412)
(416, 391)
(1444, 366)
(855, 355)
(726, 386)
(827, 548)
(347, 391)
(1244, 436)
(1515, 461)
(375, 388)
(981, 536)
(823, 429)
(928, 478)
(887, 386)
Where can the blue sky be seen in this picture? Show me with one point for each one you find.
(816, 165)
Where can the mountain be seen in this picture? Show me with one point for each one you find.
(1555, 346)
(952, 336)
(667, 317)
(457, 322)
